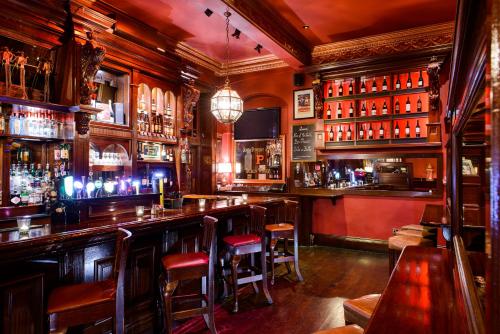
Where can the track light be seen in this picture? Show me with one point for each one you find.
(236, 34)
(208, 12)
(258, 48)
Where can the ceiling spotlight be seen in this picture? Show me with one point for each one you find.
(236, 34)
(258, 48)
(305, 26)
(208, 12)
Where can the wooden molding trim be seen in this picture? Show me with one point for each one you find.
(385, 44)
(364, 244)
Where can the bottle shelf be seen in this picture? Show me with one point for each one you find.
(156, 139)
(106, 168)
(411, 115)
(149, 161)
(35, 139)
(374, 118)
(340, 120)
(38, 104)
(387, 117)
(386, 93)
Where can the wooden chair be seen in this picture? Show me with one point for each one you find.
(252, 242)
(80, 304)
(286, 229)
(351, 329)
(359, 310)
(186, 266)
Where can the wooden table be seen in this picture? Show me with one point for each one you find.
(420, 296)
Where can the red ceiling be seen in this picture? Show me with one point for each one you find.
(339, 20)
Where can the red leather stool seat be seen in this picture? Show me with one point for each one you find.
(242, 240)
(351, 329)
(80, 295)
(184, 260)
(279, 227)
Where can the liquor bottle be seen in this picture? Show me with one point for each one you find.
(397, 107)
(349, 133)
(330, 134)
(351, 110)
(339, 133)
(374, 85)
(144, 181)
(142, 103)
(417, 130)
(370, 132)
(341, 88)
(361, 132)
(351, 88)
(329, 113)
(384, 108)
(17, 125)
(65, 152)
(408, 105)
(374, 109)
(363, 110)
(330, 90)
(420, 80)
(2, 122)
(381, 132)
(408, 82)
(398, 83)
(339, 111)
(396, 131)
(407, 130)
(139, 151)
(419, 105)
(164, 156)
(384, 84)
(363, 87)
(153, 106)
(57, 153)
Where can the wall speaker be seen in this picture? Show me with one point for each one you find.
(298, 79)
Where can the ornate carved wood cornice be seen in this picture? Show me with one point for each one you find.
(402, 41)
(271, 23)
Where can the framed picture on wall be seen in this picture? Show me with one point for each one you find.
(303, 104)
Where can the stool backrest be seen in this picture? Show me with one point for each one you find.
(257, 220)
(123, 239)
(208, 240)
(291, 212)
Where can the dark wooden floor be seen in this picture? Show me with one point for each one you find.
(331, 275)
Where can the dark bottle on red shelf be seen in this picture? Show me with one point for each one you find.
(419, 105)
(370, 132)
(398, 83)
(339, 133)
(374, 109)
(417, 130)
(384, 109)
(381, 131)
(397, 107)
(384, 84)
(330, 90)
(363, 87)
(363, 110)
(341, 88)
(349, 133)
(329, 113)
(351, 110)
(374, 85)
(408, 82)
(407, 130)
(361, 132)
(330, 134)
(351, 88)
(339, 111)
(420, 80)
(408, 105)
(396, 131)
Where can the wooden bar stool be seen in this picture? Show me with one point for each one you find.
(351, 329)
(359, 310)
(252, 242)
(398, 242)
(286, 229)
(186, 266)
(80, 304)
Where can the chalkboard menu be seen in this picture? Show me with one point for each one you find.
(303, 142)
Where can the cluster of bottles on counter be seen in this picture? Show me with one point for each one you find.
(27, 121)
(374, 87)
(369, 134)
(159, 123)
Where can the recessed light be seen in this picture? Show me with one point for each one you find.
(305, 26)
(160, 49)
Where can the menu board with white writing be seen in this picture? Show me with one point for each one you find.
(303, 142)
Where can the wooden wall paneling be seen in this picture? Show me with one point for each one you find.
(143, 269)
(103, 268)
(22, 305)
(72, 266)
(99, 260)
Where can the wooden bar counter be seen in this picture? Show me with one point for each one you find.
(56, 255)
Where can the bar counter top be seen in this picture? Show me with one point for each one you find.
(52, 237)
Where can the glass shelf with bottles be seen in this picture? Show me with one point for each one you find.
(412, 82)
(31, 123)
(148, 152)
(156, 114)
(373, 132)
(409, 130)
(340, 134)
(114, 156)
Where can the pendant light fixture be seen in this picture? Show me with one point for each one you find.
(226, 104)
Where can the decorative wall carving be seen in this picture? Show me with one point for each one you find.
(318, 96)
(92, 56)
(82, 121)
(433, 71)
(190, 97)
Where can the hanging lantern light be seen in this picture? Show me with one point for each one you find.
(226, 104)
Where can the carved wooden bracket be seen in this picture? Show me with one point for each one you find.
(433, 71)
(190, 96)
(318, 97)
(82, 118)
